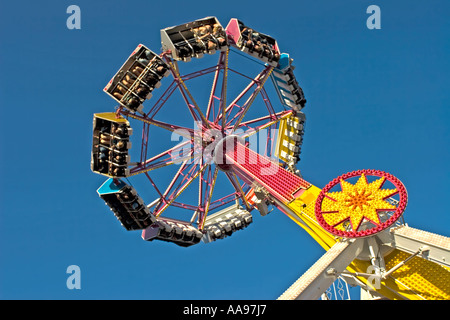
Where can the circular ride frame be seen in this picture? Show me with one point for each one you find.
(219, 119)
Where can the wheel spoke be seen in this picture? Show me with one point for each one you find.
(259, 81)
(267, 102)
(201, 181)
(237, 186)
(164, 202)
(230, 107)
(223, 201)
(184, 90)
(223, 95)
(212, 96)
(164, 159)
(153, 184)
(277, 117)
(250, 100)
(211, 185)
(183, 131)
(161, 101)
(188, 178)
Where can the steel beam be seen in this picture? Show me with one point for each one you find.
(435, 247)
(324, 272)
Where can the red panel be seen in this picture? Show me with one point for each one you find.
(252, 167)
(233, 30)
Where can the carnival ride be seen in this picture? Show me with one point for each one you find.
(356, 218)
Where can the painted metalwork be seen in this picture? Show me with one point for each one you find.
(358, 223)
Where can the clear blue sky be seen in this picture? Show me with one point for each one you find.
(376, 99)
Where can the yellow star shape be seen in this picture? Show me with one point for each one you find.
(356, 202)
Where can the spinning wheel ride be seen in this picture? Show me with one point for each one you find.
(142, 75)
(239, 134)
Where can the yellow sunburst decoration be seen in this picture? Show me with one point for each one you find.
(344, 211)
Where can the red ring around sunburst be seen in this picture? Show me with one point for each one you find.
(359, 203)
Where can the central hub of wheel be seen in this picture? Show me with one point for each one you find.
(359, 199)
(225, 145)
